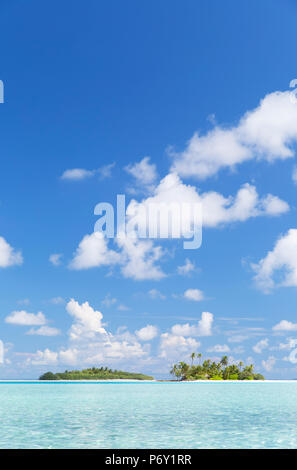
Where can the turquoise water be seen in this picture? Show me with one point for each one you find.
(148, 415)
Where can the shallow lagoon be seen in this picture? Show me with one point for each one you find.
(148, 415)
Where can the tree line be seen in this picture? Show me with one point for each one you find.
(211, 370)
(94, 373)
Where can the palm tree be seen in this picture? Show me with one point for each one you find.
(240, 365)
(193, 355)
(224, 361)
(199, 355)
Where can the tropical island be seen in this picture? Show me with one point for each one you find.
(102, 373)
(211, 370)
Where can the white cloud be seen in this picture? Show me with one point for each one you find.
(57, 300)
(186, 268)
(217, 210)
(144, 172)
(77, 174)
(44, 357)
(87, 321)
(90, 342)
(44, 331)
(268, 365)
(205, 324)
(261, 345)
(69, 356)
(136, 257)
(147, 333)
(92, 252)
(24, 318)
(285, 325)
(219, 348)
(122, 307)
(194, 294)
(8, 256)
(156, 294)
(118, 350)
(172, 346)
(55, 259)
(281, 260)
(105, 170)
(202, 328)
(237, 338)
(108, 301)
(267, 132)
(139, 259)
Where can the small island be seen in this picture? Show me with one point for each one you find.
(211, 370)
(102, 373)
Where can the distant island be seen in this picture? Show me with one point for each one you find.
(211, 370)
(102, 373)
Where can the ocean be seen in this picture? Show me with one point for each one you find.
(136, 415)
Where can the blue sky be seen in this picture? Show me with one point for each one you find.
(98, 87)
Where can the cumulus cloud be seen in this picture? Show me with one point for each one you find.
(137, 258)
(144, 172)
(172, 197)
(55, 259)
(285, 325)
(186, 268)
(205, 324)
(147, 333)
(87, 321)
(172, 346)
(218, 210)
(44, 357)
(265, 133)
(79, 174)
(156, 294)
(69, 356)
(8, 256)
(92, 252)
(24, 318)
(202, 328)
(219, 348)
(269, 363)
(261, 345)
(282, 260)
(44, 331)
(90, 343)
(194, 294)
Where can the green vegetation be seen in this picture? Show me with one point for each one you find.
(102, 373)
(213, 370)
